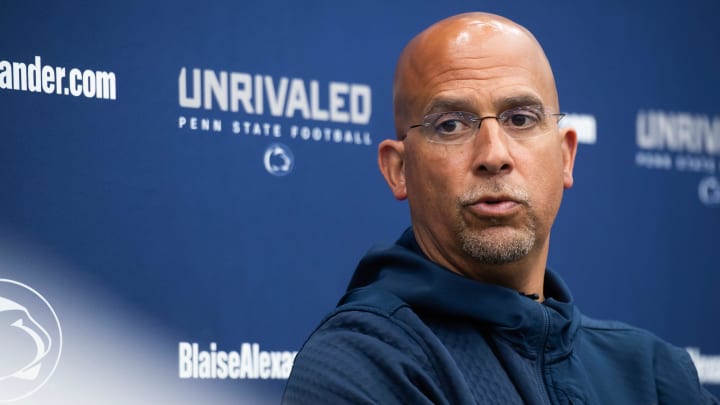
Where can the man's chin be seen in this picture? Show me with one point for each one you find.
(497, 245)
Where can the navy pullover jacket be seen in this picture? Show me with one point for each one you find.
(411, 332)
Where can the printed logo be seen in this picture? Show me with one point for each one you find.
(248, 363)
(708, 366)
(261, 107)
(585, 125)
(278, 159)
(683, 142)
(41, 78)
(32, 341)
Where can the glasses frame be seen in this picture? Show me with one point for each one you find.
(429, 119)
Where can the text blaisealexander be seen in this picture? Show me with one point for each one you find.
(248, 363)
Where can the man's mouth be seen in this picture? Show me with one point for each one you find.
(494, 206)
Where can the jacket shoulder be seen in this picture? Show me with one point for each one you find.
(371, 349)
(624, 339)
(642, 358)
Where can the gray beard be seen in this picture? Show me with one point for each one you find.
(512, 246)
(488, 247)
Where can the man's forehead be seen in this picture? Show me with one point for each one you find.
(466, 51)
(497, 71)
(469, 37)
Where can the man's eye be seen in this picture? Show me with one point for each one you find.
(521, 120)
(450, 126)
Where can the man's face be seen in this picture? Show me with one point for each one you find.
(492, 200)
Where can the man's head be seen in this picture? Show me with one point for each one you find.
(483, 208)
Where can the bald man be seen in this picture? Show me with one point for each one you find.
(461, 309)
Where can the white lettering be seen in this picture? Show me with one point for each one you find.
(360, 104)
(88, 84)
(75, 77)
(37, 78)
(318, 114)
(222, 365)
(694, 163)
(708, 367)
(244, 95)
(288, 358)
(106, 88)
(249, 363)
(337, 103)
(59, 74)
(258, 94)
(264, 360)
(297, 100)
(709, 191)
(652, 160)
(34, 80)
(48, 77)
(185, 360)
(203, 370)
(5, 75)
(215, 88)
(284, 97)
(185, 101)
(202, 124)
(19, 76)
(276, 368)
(678, 132)
(276, 99)
(234, 365)
(585, 126)
(710, 132)
(246, 361)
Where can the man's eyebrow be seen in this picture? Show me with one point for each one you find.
(517, 101)
(450, 104)
(466, 104)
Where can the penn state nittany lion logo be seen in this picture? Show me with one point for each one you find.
(278, 159)
(31, 340)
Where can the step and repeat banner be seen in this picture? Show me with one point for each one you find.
(187, 186)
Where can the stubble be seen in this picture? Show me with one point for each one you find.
(497, 241)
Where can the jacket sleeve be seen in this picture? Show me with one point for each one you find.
(361, 357)
(676, 378)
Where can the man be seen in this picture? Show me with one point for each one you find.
(462, 310)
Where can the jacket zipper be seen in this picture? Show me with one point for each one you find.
(541, 356)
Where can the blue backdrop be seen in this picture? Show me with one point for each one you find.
(179, 173)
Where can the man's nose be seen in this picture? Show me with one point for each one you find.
(491, 148)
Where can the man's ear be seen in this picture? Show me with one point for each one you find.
(391, 159)
(569, 149)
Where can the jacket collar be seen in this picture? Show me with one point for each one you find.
(429, 288)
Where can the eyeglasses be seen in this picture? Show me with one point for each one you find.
(458, 127)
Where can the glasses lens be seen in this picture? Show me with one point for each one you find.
(452, 127)
(524, 122)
